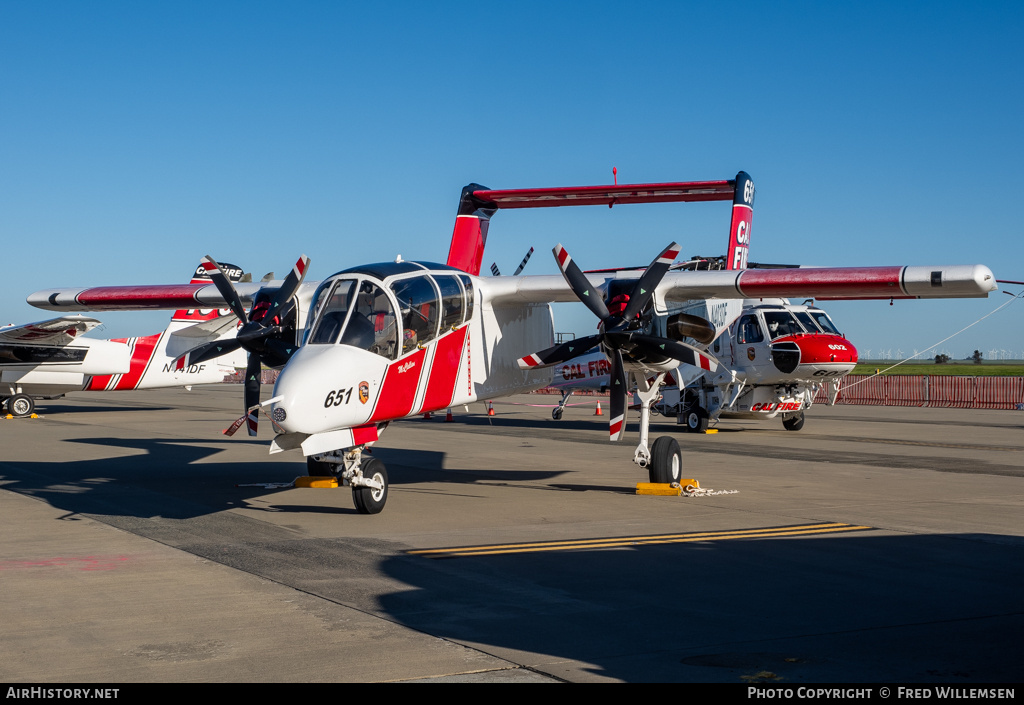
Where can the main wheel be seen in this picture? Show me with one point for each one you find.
(319, 468)
(696, 420)
(20, 405)
(666, 461)
(369, 500)
(794, 422)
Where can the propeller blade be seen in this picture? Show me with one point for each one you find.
(617, 398)
(252, 392)
(288, 289)
(643, 290)
(522, 264)
(559, 353)
(225, 287)
(206, 352)
(686, 354)
(579, 283)
(280, 350)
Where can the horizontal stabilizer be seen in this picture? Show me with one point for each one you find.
(691, 191)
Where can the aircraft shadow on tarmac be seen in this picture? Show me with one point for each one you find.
(176, 479)
(46, 408)
(855, 608)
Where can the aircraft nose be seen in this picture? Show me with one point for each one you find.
(295, 410)
(813, 350)
(829, 349)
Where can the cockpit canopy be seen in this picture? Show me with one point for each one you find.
(389, 317)
(779, 322)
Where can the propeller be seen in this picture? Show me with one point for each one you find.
(621, 332)
(261, 334)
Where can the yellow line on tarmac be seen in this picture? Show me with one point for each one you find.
(627, 541)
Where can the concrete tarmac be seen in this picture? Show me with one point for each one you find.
(878, 544)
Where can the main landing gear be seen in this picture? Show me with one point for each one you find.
(367, 476)
(20, 405)
(692, 415)
(663, 460)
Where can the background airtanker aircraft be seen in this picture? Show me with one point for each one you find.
(50, 358)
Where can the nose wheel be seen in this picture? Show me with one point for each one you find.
(367, 476)
(793, 422)
(370, 498)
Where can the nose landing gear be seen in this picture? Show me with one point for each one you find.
(367, 477)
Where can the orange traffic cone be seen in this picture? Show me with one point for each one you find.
(598, 412)
(448, 416)
(426, 415)
(490, 409)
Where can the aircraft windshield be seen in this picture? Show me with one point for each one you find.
(334, 308)
(825, 322)
(807, 321)
(781, 323)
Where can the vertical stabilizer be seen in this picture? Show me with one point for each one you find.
(470, 234)
(739, 228)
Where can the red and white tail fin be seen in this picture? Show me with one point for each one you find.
(478, 204)
(470, 234)
(739, 227)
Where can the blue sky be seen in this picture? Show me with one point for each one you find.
(137, 137)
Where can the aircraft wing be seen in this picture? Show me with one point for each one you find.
(56, 331)
(920, 282)
(144, 297)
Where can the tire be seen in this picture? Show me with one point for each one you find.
(319, 468)
(556, 414)
(696, 420)
(367, 499)
(794, 422)
(20, 405)
(666, 461)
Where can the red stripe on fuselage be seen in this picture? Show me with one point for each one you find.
(364, 434)
(444, 370)
(141, 356)
(398, 391)
(98, 383)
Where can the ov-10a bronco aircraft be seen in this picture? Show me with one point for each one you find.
(48, 359)
(385, 341)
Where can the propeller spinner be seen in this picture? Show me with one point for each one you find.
(621, 331)
(262, 333)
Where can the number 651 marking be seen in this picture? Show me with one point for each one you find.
(338, 398)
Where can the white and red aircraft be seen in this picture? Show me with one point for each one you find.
(397, 339)
(588, 372)
(48, 359)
